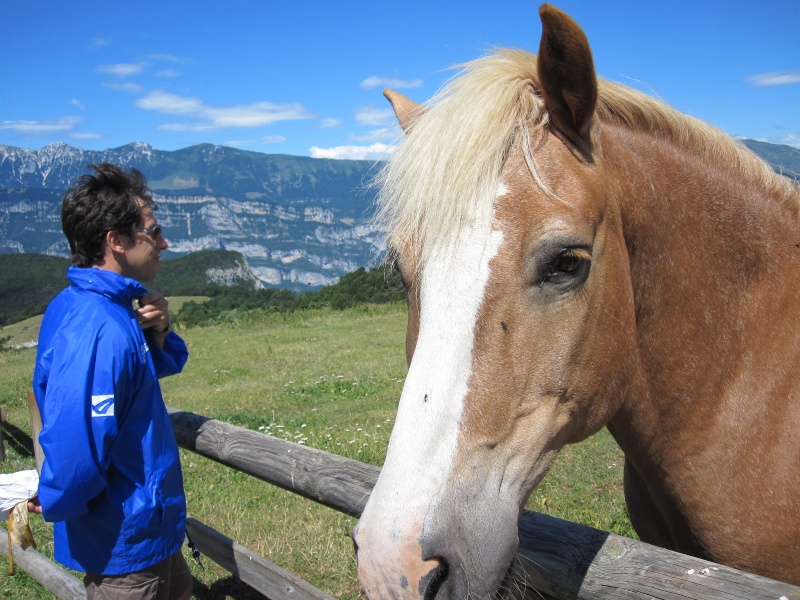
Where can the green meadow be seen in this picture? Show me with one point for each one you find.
(326, 379)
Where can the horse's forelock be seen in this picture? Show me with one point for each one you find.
(445, 172)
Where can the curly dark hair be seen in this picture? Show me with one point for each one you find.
(106, 201)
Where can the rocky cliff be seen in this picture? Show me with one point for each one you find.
(300, 222)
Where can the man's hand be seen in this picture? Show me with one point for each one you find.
(153, 316)
(34, 506)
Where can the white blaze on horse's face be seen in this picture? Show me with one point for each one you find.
(495, 330)
(425, 437)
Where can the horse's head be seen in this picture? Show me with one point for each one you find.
(519, 312)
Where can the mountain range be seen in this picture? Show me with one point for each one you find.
(300, 222)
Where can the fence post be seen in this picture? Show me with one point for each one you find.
(2, 444)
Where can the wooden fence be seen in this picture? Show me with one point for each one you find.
(557, 558)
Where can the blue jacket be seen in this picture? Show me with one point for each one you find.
(111, 479)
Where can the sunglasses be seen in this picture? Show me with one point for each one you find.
(154, 231)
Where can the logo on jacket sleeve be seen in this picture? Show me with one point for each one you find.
(103, 405)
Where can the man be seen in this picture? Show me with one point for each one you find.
(111, 478)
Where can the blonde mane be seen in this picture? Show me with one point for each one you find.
(446, 172)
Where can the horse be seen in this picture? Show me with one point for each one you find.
(578, 255)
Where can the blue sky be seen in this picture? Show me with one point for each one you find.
(306, 77)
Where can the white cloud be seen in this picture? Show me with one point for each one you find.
(329, 123)
(384, 133)
(772, 79)
(34, 128)
(100, 42)
(168, 73)
(78, 104)
(374, 116)
(210, 118)
(64, 126)
(372, 152)
(390, 82)
(121, 69)
(171, 104)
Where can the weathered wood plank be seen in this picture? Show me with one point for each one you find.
(257, 572)
(48, 574)
(336, 482)
(556, 557)
(568, 560)
(2, 444)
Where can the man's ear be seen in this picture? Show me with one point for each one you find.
(115, 242)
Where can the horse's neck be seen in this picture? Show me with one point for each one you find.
(714, 266)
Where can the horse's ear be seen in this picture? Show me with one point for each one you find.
(567, 77)
(404, 108)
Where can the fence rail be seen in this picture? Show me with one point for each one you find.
(45, 572)
(560, 559)
(556, 557)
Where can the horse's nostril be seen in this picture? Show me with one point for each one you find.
(429, 584)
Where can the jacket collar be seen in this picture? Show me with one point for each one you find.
(107, 283)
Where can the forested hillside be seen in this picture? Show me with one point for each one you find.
(191, 275)
(376, 286)
(29, 281)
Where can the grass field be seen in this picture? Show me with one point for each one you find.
(326, 379)
(24, 332)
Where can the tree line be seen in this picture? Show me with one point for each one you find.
(362, 286)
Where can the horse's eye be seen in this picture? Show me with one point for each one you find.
(569, 267)
(569, 262)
